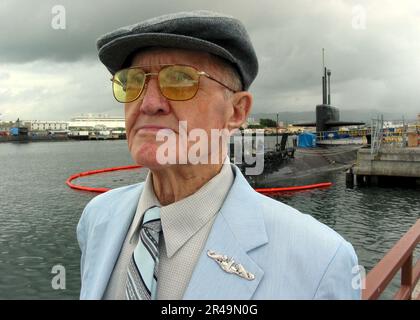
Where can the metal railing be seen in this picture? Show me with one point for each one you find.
(351, 134)
(399, 257)
(377, 131)
(391, 133)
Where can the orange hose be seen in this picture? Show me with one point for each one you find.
(101, 190)
(91, 172)
(294, 188)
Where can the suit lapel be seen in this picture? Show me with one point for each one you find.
(107, 240)
(238, 228)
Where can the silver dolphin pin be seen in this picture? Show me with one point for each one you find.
(229, 265)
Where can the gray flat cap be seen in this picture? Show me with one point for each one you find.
(218, 34)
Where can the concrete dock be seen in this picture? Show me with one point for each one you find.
(401, 163)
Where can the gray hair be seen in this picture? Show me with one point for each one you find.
(230, 76)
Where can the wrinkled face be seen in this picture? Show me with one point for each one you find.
(151, 112)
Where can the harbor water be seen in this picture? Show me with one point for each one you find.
(39, 212)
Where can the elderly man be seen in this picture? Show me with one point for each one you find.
(196, 229)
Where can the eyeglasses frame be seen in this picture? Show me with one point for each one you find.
(199, 73)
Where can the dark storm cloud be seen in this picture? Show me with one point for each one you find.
(26, 33)
(376, 66)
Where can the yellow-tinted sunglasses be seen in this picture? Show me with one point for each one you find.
(176, 82)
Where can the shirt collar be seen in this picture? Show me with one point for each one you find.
(182, 219)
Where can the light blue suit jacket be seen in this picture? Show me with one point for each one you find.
(292, 255)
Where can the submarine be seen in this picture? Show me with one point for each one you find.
(288, 163)
(327, 116)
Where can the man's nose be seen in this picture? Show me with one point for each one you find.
(153, 101)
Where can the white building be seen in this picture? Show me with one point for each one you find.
(391, 124)
(45, 125)
(92, 121)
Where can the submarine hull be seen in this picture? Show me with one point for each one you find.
(304, 164)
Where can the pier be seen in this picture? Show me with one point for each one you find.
(387, 164)
(393, 157)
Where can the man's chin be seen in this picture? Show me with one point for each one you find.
(146, 156)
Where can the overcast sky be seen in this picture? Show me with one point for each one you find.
(372, 47)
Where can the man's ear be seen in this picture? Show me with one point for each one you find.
(242, 104)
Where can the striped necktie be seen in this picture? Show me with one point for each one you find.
(143, 266)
